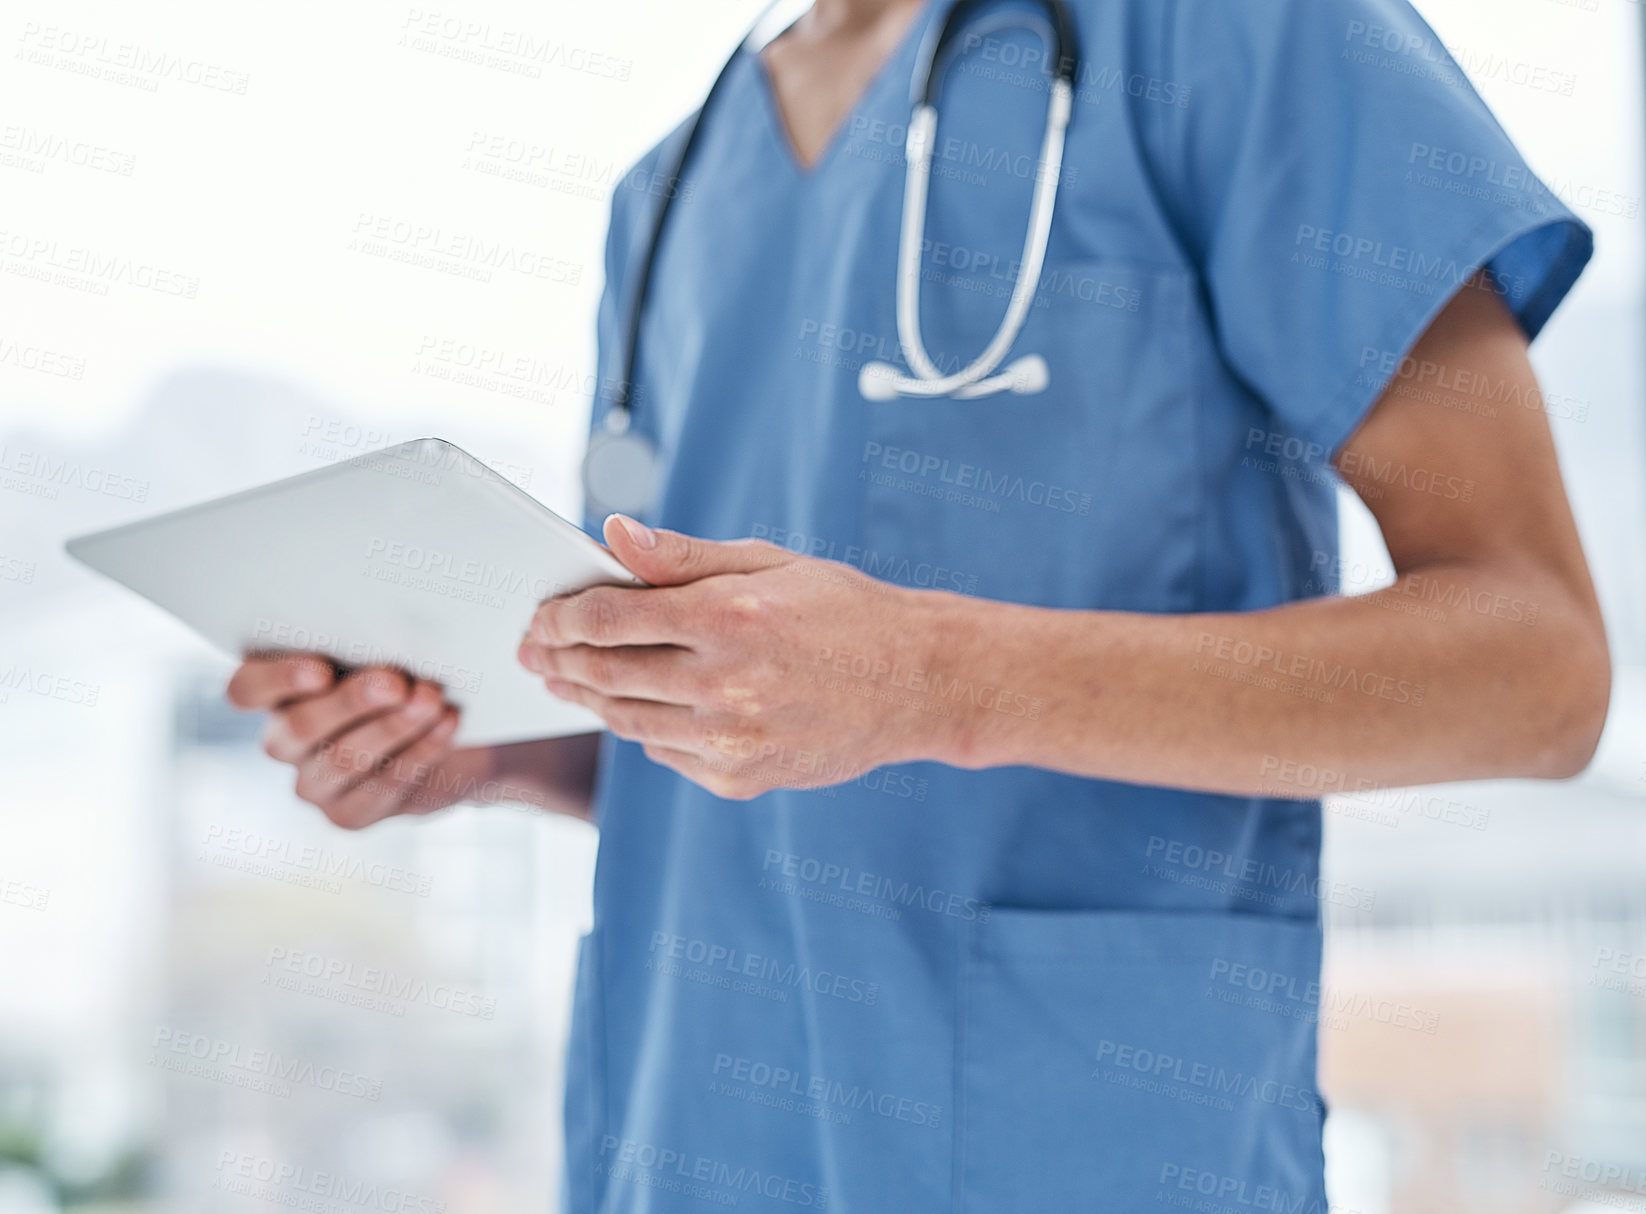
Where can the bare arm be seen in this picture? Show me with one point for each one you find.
(1486, 658)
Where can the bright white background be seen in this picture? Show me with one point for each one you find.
(299, 349)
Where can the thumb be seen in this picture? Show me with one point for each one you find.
(668, 558)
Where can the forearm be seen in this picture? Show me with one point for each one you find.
(1453, 673)
(553, 774)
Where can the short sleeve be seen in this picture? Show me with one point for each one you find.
(1338, 180)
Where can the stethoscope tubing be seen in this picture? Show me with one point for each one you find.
(879, 381)
(971, 380)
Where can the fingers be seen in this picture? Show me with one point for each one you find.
(296, 732)
(614, 615)
(360, 758)
(400, 785)
(272, 681)
(414, 766)
(723, 779)
(668, 558)
(637, 720)
(680, 761)
(364, 747)
(641, 672)
(349, 759)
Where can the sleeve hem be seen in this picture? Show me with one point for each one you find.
(1332, 425)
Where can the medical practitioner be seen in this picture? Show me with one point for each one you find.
(959, 819)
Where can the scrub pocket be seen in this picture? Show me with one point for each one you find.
(585, 1105)
(1084, 495)
(1126, 1060)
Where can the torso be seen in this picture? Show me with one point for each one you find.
(906, 946)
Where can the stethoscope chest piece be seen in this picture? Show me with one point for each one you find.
(621, 468)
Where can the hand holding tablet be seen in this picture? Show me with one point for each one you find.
(417, 558)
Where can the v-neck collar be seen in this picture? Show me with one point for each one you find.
(778, 127)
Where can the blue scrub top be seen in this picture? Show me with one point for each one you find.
(933, 989)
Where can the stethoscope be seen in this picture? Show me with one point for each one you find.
(622, 469)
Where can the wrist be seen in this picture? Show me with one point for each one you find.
(953, 658)
(500, 775)
(551, 774)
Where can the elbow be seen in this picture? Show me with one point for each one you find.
(1578, 695)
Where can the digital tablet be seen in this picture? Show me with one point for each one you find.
(418, 556)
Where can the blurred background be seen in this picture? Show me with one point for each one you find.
(208, 279)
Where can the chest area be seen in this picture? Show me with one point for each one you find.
(775, 288)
